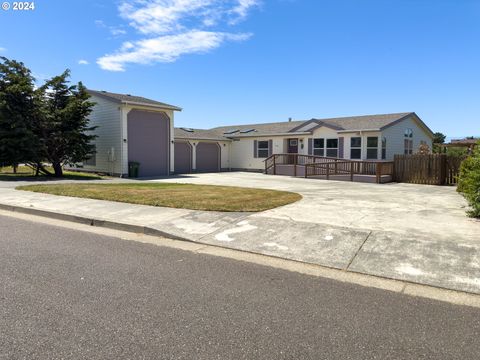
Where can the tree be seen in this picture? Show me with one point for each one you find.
(18, 112)
(64, 125)
(469, 181)
(439, 138)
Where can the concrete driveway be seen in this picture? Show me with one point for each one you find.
(417, 233)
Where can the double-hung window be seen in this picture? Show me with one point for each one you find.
(355, 148)
(319, 147)
(332, 148)
(408, 141)
(372, 147)
(262, 149)
(384, 148)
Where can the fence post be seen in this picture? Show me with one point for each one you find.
(379, 172)
(295, 165)
(274, 165)
(443, 169)
(352, 166)
(328, 170)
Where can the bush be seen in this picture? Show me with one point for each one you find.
(469, 182)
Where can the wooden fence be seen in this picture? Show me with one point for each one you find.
(434, 169)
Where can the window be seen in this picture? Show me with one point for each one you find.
(319, 147)
(91, 159)
(384, 148)
(408, 146)
(293, 142)
(372, 147)
(355, 148)
(262, 149)
(408, 142)
(332, 147)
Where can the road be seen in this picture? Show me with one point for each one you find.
(69, 294)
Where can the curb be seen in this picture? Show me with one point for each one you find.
(138, 229)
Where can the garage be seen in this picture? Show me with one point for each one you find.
(183, 157)
(207, 157)
(149, 141)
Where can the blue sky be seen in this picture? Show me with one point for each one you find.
(249, 61)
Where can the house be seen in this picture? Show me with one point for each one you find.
(136, 129)
(245, 147)
(131, 129)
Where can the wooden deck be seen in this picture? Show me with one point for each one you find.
(319, 167)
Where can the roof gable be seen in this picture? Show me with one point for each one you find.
(132, 100)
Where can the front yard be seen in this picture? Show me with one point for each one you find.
(185, 196)
(26, 173)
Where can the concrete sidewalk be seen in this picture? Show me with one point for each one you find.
(296, 232)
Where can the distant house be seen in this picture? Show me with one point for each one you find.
(136, 129)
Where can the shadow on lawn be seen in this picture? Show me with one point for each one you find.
(25, 175)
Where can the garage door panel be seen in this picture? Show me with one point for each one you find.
(149, 141)
(208, 157)
(183, 157)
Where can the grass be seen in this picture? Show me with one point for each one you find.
(184, 196)
(25, 173)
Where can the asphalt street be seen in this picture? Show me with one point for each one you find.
(68, 294)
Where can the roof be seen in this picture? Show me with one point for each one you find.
(300, 127)
(198, 134)
(128, 99)
(463, 142)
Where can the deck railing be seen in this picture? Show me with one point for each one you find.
(314, 165)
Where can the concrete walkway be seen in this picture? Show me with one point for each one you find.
(407, 232)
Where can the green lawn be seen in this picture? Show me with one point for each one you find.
(26, 173)
(184, 196)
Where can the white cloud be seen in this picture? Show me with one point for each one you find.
(166, 48)
(2, 49)
(83, 62)
(171, 28)
(241, 10)
(116, 31)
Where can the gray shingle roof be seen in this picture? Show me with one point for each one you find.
(132, 99)
(365, 122)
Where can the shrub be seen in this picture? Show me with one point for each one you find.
(469, 182)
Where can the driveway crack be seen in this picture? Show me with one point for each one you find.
(358, 251)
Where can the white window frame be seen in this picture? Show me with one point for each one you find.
(371, 148)
(384, 148)
(263, 148)
(327, 148)
(356, 147)
(318, 148)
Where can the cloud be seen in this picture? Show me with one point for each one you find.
(167, 48)
(241, 10)
(83, 62)
(169, 29)
(2, 49)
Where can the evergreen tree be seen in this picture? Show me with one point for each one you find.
(64, 125)
(439, 138)
(18, 112)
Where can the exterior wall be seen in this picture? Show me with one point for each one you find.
(395, 137)
(107, 116)
(364, 135)
(242, 152)
(225, 152)
(124, 135)
(322, 133)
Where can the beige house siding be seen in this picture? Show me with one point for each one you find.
(106, 115)
(395, 137)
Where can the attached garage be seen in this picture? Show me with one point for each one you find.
(208, 157)
(183, 157)
(149, 141)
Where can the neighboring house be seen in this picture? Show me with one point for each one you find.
(131, 129)
(136, 129)
(371, 137)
